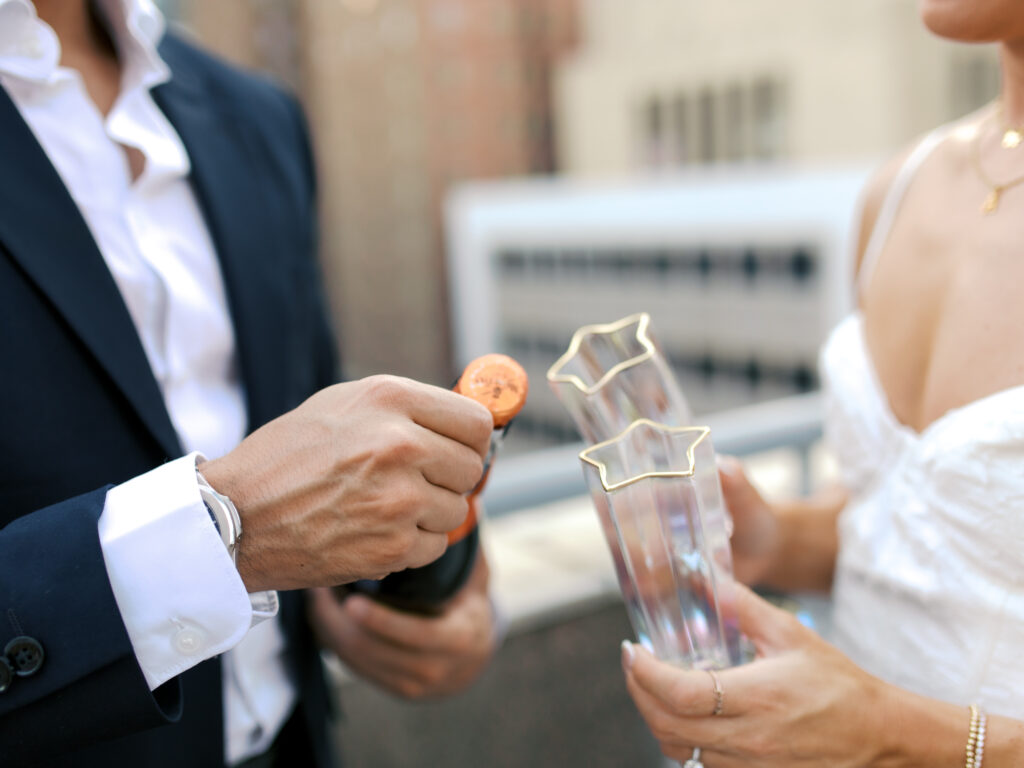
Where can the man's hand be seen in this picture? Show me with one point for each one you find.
(413, 656)
(361, 480)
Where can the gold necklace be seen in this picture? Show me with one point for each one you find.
(1012, 136)
(996, 190)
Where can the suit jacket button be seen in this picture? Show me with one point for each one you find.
(6, 674)
(25, 655)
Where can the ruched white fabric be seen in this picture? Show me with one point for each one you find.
(929, 584)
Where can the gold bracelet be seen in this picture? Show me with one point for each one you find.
(976, 738)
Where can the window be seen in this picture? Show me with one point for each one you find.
(682, 133)
(767, 119)
(737, 122)
(653, 133)
(734, 133)
(706, 121)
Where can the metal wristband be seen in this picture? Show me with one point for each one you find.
(224, 513)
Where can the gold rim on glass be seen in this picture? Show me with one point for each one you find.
(643, 321)
(603, 470)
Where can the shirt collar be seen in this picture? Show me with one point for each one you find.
(30, 50)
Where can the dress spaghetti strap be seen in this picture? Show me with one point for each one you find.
(893, 198)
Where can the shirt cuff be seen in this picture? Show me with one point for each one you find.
(180, 595)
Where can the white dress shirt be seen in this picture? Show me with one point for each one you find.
(179, 594)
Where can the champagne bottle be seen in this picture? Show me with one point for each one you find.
(500, 384)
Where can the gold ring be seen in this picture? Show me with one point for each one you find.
(719, 693)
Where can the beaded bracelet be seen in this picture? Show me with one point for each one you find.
(976, 738)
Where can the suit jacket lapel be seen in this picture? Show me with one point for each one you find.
(44, 232)
(220, 147)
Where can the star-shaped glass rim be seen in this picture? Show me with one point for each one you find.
(643, 321)
(602, 469)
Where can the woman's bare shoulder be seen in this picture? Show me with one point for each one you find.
(876, 190)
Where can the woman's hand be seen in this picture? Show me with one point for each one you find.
(788, 545)
(412, 656)
(801, 703)
(755, 537)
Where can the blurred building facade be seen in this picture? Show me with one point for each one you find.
(405, 97)
(743, 266)
(743, 272)
(660, 84)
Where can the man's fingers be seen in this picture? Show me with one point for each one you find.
(407, 630)
(427, 547)
(451, 415)
(440, 510)
(322, 599)
(328, 616)
(450, 464)
(411, 672)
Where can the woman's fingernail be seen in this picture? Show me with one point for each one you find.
(628, 654)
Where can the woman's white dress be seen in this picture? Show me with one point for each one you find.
(929, 584)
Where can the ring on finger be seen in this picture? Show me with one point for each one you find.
(719, 693)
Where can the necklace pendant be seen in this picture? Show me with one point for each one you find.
(1012, 138)
(991, 201)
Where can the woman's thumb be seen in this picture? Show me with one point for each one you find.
(771, 630)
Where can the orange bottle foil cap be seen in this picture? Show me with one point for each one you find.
(498, 383)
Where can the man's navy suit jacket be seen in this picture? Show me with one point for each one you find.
(80, 410)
